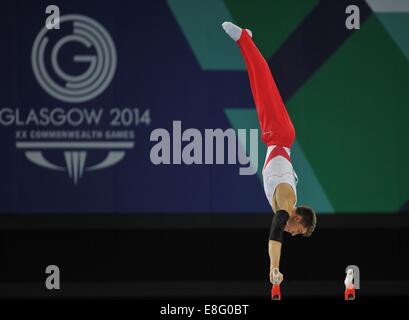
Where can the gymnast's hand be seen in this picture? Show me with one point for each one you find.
(276, 279)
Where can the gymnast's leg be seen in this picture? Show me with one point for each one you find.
(275, 123)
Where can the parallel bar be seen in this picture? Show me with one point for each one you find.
(200, 289)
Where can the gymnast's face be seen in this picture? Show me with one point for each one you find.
(294, 225)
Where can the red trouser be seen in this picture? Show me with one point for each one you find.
(275, 123)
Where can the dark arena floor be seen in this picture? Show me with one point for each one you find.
(200, 257)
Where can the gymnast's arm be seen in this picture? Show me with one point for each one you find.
(284, 199)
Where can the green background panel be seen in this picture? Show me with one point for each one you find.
(351, 120)
(350, 116)
(271, 21)
(397, 25)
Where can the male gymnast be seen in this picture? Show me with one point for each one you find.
(278, 133)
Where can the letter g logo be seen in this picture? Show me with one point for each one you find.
(100, 57)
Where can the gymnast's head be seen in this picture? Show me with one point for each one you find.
(302, 221)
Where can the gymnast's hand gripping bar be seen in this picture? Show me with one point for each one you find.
(275, 291)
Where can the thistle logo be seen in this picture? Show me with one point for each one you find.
(101, 69)
(74, 64)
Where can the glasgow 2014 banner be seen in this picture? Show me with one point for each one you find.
(145, 106)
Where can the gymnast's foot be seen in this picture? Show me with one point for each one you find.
(234, 31)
